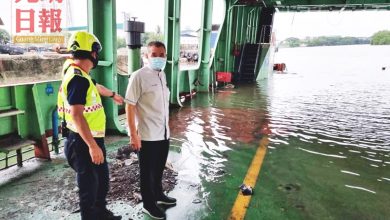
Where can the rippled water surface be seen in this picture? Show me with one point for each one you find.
(337, 95)
(328, 121)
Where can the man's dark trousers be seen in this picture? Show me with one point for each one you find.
(92, 179)
(152, 158)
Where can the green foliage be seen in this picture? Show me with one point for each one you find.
(4, 36)
(335, 41)
(151, 36)
(120, 42)
(293, 42)
(325, 41)
(381, 38)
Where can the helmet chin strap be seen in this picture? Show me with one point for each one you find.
(94, 60)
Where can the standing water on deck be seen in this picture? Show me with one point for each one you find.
(330, 142)
(328, 124)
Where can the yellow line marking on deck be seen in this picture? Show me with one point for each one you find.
(242, 202)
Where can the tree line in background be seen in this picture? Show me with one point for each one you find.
(4, 36)
(121, 42)
(379, 38)
(324, 41)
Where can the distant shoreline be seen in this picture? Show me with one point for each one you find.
(280, 47)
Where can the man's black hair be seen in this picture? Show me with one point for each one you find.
(156, 44)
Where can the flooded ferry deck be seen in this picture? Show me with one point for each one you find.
(308, 166)
(214, 141)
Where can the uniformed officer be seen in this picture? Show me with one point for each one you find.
(80, 106)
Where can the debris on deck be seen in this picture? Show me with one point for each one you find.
(124, 180)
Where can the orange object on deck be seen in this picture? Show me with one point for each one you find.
(224, 77)
(280, 67)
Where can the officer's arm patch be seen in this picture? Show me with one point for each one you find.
(77, 72)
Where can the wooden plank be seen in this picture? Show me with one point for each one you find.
(14, 143)
(8, 113)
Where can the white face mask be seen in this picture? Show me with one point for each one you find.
(157, 63)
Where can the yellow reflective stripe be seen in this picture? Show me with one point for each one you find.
(93, 108)
(87, 109)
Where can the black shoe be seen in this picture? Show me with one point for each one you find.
(108, 215)
(154, 212)
(166, 200)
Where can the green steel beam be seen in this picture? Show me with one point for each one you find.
(237, 34)
(254, 25)
(172, 42)
(37, 105)
(134, 57)
(248, 26)
(257, 23)
(102, 22)
(251, 24)
(41, 146)
(207, 10)
(253, 28)
(218, 61)
(7, 103)
(228, 60)
(239, 25)
(245, 19)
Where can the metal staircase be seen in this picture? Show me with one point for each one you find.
(247, 67)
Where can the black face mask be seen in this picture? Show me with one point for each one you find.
(94, 60)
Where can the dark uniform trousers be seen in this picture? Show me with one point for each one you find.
(92, 179)
(152, 158)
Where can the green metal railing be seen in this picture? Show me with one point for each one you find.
(26, 109)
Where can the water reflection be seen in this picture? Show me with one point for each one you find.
(335, 112)
(208, 131)
(331, 121)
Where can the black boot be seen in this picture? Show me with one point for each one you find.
(166, 200)
(154, 212)
(106, 214)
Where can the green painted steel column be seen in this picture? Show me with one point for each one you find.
(172, 43)
(249, 26)
(204, 68)
(256, 28)
(245, 25)
(134, 57)
(253, 25)
(102, 22)
(239, 25)
(41, 149)
(219, 56)
(228, 43)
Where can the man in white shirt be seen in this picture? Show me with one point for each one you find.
(147, 100)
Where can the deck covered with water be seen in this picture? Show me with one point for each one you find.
(305, 174)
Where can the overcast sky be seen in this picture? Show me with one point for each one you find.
(302, 24)
(346, 23)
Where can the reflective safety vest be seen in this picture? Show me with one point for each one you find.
(68, 62)
(93, 108)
